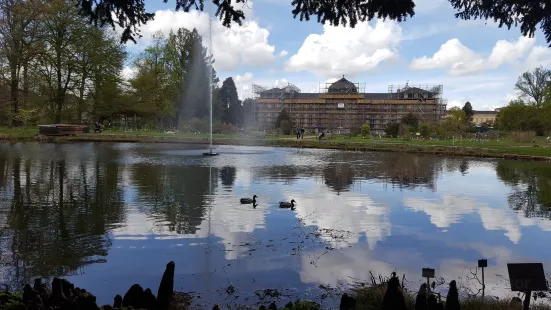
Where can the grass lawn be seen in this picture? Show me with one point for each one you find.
(19, 132)
(492, 148)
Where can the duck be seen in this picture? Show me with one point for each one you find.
(248, 200)
(286, 205)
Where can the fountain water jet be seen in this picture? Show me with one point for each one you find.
(209, 75)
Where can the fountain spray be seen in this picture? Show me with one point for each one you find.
(209, 75)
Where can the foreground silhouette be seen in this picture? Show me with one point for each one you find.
(64, 295)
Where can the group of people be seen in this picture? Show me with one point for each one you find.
(300, 132)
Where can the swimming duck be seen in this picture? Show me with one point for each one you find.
(248, 200)
(284, 204)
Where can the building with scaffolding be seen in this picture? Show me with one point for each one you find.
(342, 105)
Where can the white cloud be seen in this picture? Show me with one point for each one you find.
(283, 53)
(128, 73)
(359, 217)
(506, 52)
(452, 54)
(539, 56)
(239, 45)
(243, 83)
(460, 60)
(343, 50)
(452, 208)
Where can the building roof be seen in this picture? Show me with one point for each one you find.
(342, 86)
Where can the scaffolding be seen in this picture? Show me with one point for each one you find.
(352, 88)
(423, 94)
(281, 94)
(339, 92)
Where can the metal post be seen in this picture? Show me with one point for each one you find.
(483, 285)
(527, 300)
(483, 263)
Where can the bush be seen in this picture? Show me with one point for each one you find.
(424, 130)
(366, 130)
(195, 125)
(354, 132)
(285, 126)
(523, 136)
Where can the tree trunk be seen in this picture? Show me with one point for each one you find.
(81, 97)
(14, 92)
(26, 84)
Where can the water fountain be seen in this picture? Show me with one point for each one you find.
(209, 75)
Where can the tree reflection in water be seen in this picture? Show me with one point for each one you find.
(531, 186)
(57, 213)
(58, 203)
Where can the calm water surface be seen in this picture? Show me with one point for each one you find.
(111, 215)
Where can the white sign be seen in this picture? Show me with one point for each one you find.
(341, 105)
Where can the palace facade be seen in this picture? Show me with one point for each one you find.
(342, 105)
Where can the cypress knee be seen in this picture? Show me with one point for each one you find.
(166, 288)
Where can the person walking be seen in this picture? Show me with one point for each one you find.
(302, 133)
(298, 132)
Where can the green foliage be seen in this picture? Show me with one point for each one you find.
(520, 117)
(425, 130)
(232, 108)
(366, 130)
(11, 301)
(522, 136)
(458, 115)
(283, 115)
(411, 121)
(131, 14)
(286, 126)
(468, 109)
(355, 131)
(533, 86)
(27, 117)
(392, 130)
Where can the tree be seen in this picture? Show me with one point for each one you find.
(63, 31)
(248, 112)
(195, 100)
(392, 129)
(533, 85)
(366, 130)
(424, 130)
(232, 109)
(468, 109)
(151, 82)
(131, 14)
(283, 115)
(411, 120)
(286, 126)
(19, 24)
(105, 83)
(457, 114)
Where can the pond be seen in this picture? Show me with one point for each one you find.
(108, 215)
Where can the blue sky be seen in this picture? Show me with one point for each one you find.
(474, 60)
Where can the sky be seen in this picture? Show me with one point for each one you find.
(474, 60)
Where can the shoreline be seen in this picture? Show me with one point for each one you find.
(367, 146)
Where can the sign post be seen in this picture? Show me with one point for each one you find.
(526, 278)
(429, 274)
(483, 263)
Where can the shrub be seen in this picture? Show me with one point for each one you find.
(354, 132)
(195, 125)
(286, 126)
(523, 136)
(366, 131)
(424, 130)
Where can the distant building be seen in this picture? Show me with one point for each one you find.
(485, 118)
(342, 105)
